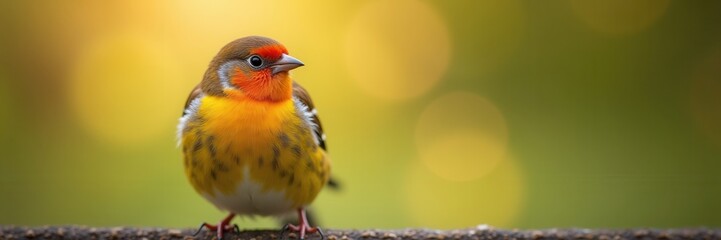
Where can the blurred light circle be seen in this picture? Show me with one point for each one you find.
(200, 29)
(397, 50)
(122, 87)
(463, 156)
(5, 106)
(486, 34)
(706, 96)
(434, 202)
(618, 17)
(461, 136)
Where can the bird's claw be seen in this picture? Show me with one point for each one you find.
(202, 225)
(302, 229)
(211, 227)
(320, 232)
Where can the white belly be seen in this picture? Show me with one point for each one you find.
(249, 198)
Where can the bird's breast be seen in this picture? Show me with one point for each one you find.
(246, 149)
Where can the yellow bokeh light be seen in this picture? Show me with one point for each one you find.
(706, 96)
(461, 136)
(397, 50)
(496, 199)
(124, 89)
(201, 28)
(463, 156)
(619, 17)
(5, 110)
(490, 31)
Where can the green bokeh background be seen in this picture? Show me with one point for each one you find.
(614, 119)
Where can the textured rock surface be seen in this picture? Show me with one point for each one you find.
(481, 232)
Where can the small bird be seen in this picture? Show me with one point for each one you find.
(251, 137)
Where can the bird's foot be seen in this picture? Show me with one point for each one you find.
(222, 227)
(303, 227)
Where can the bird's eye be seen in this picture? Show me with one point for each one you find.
(255, 61)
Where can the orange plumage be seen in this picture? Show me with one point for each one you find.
(252, 141)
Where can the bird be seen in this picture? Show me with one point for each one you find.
(251, 138)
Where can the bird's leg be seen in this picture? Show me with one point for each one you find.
(303, 226)
(222, 226)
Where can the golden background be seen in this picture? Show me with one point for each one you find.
(441, 114)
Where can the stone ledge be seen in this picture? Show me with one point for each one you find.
(480, 232)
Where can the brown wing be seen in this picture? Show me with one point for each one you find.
(193, 95)
(302, 95)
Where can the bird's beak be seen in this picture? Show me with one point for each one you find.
(285, 63)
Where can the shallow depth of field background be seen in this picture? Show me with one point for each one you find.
(441, 114)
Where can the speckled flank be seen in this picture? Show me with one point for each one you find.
(286, 161)
(283, 139)
(276, 158)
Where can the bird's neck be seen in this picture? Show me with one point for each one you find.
(276, 89)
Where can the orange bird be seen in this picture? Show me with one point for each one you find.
(251, 138)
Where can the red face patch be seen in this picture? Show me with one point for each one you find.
(271, 52)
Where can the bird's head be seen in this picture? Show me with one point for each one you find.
(251, 67)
